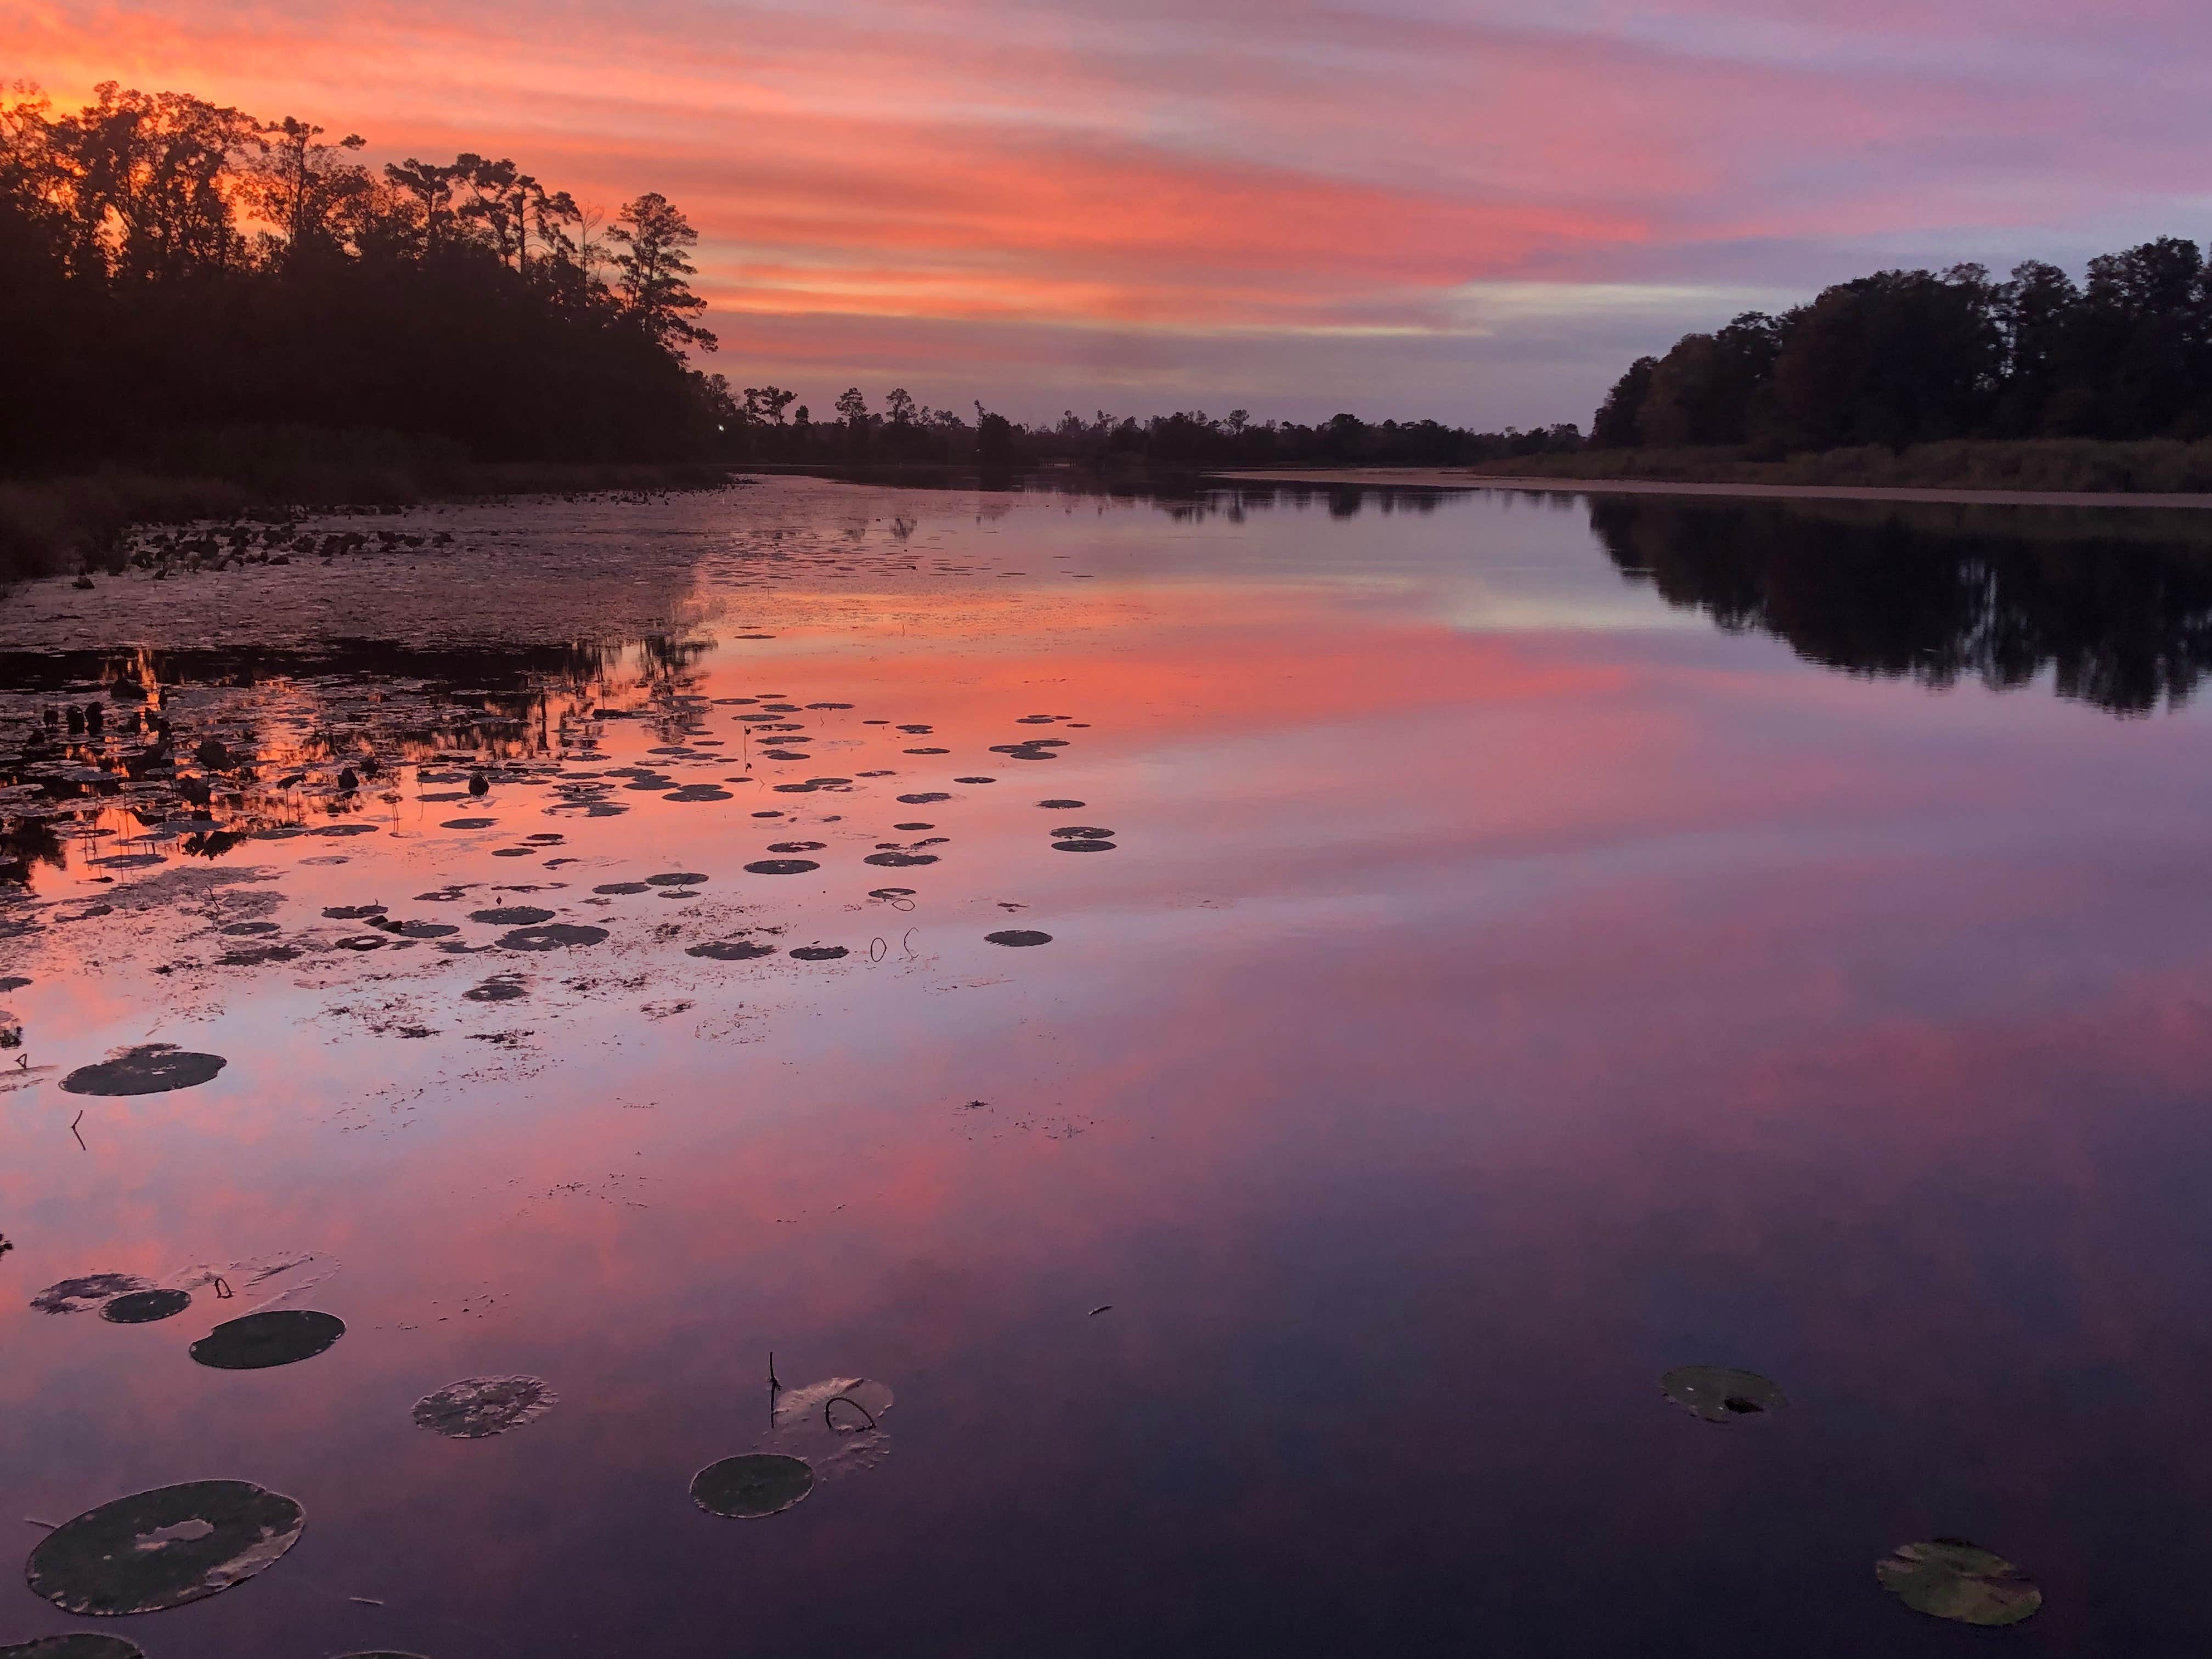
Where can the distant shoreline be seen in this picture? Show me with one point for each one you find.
(1437, 478)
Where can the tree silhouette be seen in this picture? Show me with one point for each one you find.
(655, 294)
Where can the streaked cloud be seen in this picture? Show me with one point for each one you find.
(1470, 209)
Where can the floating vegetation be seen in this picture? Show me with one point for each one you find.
(1720, 1394)
(974, 779)
(780, 866)
(145, 1307)
(1950, 1578)
(152, 1068)
(511, 915)
(926, 798)
(468, 824)
(81, 1295)
(731, 950)
(835, 1426)
(281, 1336)
(79, 1644)
(1017, 936)
(798, 846)
(748, 1488)
(478, 1408)
(899, 860)
(554, 936)
(499, 988)
(1061, 805)
(353, 912)
(616, 887)
(676, 878)
(161, 1549)
(1081, 832)
(1083, 847)
(820, 952)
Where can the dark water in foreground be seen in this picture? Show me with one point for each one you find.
(1503, 985)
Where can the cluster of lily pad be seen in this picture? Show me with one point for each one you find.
(1943, 1577)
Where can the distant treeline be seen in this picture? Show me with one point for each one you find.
(903, 432)
(1906, 357)
(170, 269)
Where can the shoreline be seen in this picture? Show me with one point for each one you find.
(1440, 477)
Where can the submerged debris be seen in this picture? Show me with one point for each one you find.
(160, 1549)
(1950, 1578)
(81, 1295)
(151, 1068)
(478, 1408)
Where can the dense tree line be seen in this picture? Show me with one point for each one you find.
(1914, 357)
(172, 268)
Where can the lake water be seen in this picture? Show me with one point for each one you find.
(1520, 948)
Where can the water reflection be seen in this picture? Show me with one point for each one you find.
(1505, 991)
(2115, 606)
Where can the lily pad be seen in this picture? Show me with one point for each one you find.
(1720, 1394)
(820, 952)
(1083, 847)
(676, 878)
(1019, 936)
(281, 1336)
(731, 950)
(781, 866)
(621, 887)
(496, 990)
(554, 936)
(145, 1307)
(926, 799)
(78, 1645)
(1950, 1578)
(163, 1548)
(899, 860)
(511, 915)
(77, 1294)
(1060, 805)
(478, 1408)
(758, 1484)
(151, 1068)
(836, 1426)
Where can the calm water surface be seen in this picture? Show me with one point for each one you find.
(1538, 947)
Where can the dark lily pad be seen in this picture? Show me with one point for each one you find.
(145, 1307)
(511, 915)
(676, 878)
(899, 860)
(798, 846)
(468, 824)
(699, 792)
(152, 1068)
(242, 929)
(1083, 847)
(78, 1295)
(554, 936)
(79, 1644)
(278, 1336)
(1720, 1394)
(1950, 1578)
(755, 1484)
(1019, 936)
(731, 950)
(1060, 805)
(926, 798)
(496, 990)
(1081, 832)
(621, 887)
(781, 866)
(353, 912)
(974, 779)
(820, 952)
(478, 1408)
(163, 1548)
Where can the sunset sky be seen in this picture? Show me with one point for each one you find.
(1474, 210)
